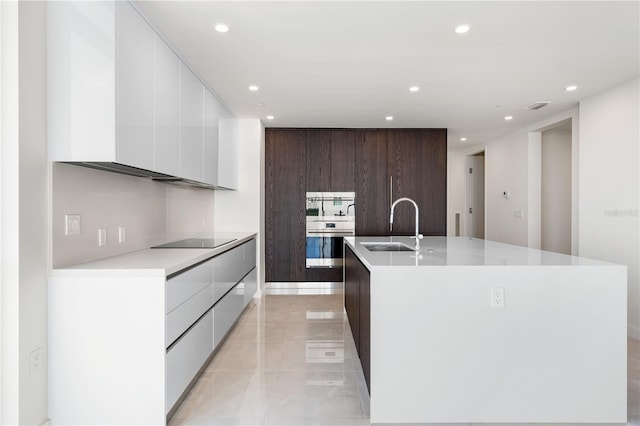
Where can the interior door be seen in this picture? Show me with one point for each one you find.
(476, 196)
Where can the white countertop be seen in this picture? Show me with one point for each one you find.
(460, 251)
(153, 262)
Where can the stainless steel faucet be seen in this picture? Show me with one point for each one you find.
(418, 235)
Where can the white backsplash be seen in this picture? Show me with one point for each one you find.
(152, 212)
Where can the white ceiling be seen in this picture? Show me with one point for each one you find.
(350, 64)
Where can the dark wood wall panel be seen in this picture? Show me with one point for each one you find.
(435, 187)
(364, 322)
(417, 163)
(285, 214)
(372, 184)
(352, 294)
(343, 151)
(301, 160)
(318, 160)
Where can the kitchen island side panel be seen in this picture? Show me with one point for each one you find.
(555, 353)
(106, 350)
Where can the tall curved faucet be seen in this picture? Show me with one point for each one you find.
(418, 235)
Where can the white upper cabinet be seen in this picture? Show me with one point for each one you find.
(210, 158)
(81, 55)
(120, 99)
(228, 154)
(135, 89)
(167, 146)
(191, 125)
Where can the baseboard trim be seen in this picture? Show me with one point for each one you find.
(302, 285)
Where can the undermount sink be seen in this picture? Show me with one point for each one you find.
(387, 247)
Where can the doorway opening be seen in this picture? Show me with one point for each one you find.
(555, 201)
(475, 195)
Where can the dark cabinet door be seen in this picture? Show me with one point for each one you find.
(372, 184)
(285, 213)
(352, 294)
(417, 161)
(318, 160)
(364, 322)
(343, 151)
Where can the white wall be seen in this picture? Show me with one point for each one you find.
(9, 214)
(512, 162)
(605, 184)
(243, 210)
(24, 210)
(609, 181)
(152, 212)
(556, 191)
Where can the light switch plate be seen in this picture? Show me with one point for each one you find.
(102, 237)
(122, 234)
(71, 224)
(35, 361)
(497, 297)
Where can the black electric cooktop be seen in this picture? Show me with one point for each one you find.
(197, 243)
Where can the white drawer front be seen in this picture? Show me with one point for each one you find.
(227, 269)
(187, 357)
(184, 285)
(226, 312)
(249, 255)
(250, 286)
(181, 318)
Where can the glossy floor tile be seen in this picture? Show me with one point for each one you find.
(291, 361)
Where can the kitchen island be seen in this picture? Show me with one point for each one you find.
(474, 331)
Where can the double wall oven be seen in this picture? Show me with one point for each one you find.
(330, 217)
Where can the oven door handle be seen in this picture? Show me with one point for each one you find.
(333, 233)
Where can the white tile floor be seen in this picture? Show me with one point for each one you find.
(291, 361)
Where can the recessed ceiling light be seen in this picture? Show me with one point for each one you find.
(388, 118)
(570, 88)
(461, 29)
(463, 139)
(270, 117)
(414, 88)
(261, 104)
(253, 88)
(508, 117)
(221, 28)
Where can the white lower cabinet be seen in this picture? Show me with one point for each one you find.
(181, 318)
(186, 357)
(126, 345)
(226, 312)
(217, 287)
(250, 285)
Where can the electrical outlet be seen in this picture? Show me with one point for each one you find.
(497, 297)
(518, 214)
(102, 237)
(35, 361)
(71, 224)
(122, 234)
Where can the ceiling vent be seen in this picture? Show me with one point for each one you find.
(538, 105)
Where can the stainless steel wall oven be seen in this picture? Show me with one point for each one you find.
(330, 217)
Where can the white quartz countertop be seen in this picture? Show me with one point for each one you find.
(460, 251)
(153, 262)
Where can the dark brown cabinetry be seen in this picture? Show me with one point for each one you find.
(357, 303)
(417, 168)
(285, 214)
(372, 184)
(380, 165)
